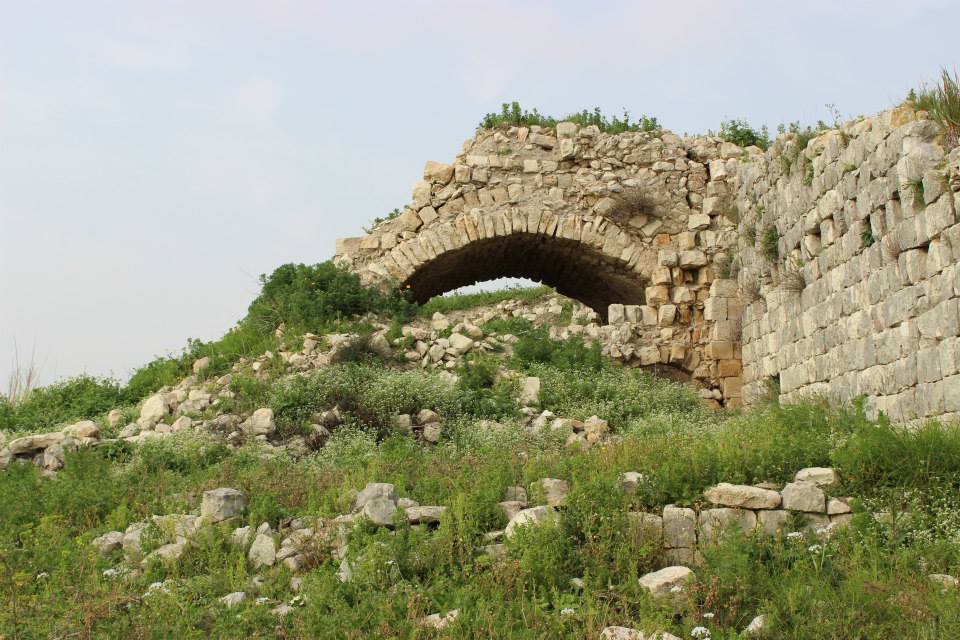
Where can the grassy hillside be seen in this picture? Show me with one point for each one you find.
(568, 579)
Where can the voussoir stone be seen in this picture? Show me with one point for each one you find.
(663, 582)
(743, 496)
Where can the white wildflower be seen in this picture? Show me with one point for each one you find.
(700, 632)
(566, 612)
(795, 535)
(708, 615)
(815, 548)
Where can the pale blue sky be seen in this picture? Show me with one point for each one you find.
(156, 157)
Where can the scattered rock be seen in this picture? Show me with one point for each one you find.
(380, 511)
(530, 391)
(233, 599)
(201, 364)
(621, 633)
(222, 504)
(437, 621)
(532, 516)
(260, 423)
(424, 515)
(666, 581)
(263, 551)
(944, 580)
(372, 491)
(432, 432)
(154, 408)
(554, 491)
(108, 542)
(630, 480)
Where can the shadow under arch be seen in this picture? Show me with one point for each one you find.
(573, 268)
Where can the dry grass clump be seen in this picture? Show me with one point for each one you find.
(629, 203)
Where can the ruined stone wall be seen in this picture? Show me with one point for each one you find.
(860, 296)
(843, 252)
(632, 225)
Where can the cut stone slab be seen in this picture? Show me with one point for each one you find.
(742, 496)
(820, 476)
(804, 496)
(424, 515)
(663, 582)
(222, 504)
(838, 506)
(380, 511)
(531, 516)
(679, 527)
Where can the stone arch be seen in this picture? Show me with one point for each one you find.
(590, 259)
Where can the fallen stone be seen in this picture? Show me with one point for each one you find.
(108, 542)
(666, 581)
(528, 517)
(260, 423)
(374, 490)
(621, 633)
(437, 621)
(263, 551)
(530, 391)
(233, 599)
(426, 416)
(154, 408)
(424, 515)
(554, 491)
(432, 432)
(630, 480)
(945, 581)
(380, 511)
(222, 504)
(31, 444)
(166, 553)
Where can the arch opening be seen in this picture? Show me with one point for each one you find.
(574, 269)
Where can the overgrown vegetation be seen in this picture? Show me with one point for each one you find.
(511, 114)
(942, 101)
(740, 133)
(770, 243)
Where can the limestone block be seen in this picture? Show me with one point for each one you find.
(714, 522)
(773, 522)
(437, 172)
(692, 259)
(664, 583)
(698, 221)
(820, 476)
(667, 315)
(744, 496)
(529, 517)
(657, 294)
(803, 496)
(222, 504)
(615, 314)
(679, 527)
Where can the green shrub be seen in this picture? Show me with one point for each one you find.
(740, 133)
(511, 114)
(78, 398)
(536, 347)
(770, 243)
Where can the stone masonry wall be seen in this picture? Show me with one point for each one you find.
(632, 225)
(844, 252)
(862, 298)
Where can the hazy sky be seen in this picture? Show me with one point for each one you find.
(155, 158)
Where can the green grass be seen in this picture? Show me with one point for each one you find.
(770, 243)
(462, 302)
(942, 102)
(511, 114)
(867, 582)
